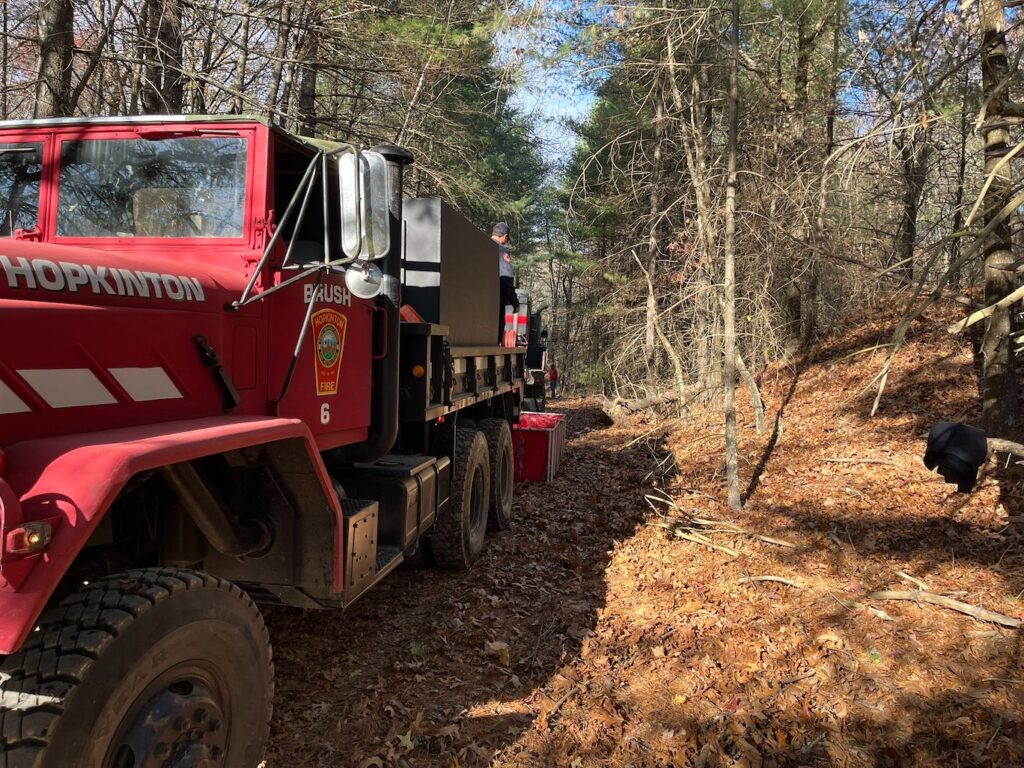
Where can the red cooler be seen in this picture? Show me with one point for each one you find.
(538, 441)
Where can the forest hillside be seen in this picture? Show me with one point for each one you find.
(670, 630)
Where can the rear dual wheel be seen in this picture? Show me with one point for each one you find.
(457, 539)
(152, 668)
(499, 449)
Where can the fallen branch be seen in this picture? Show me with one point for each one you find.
(916, 582)
(853, 605)
(732, 528)
(770, 540)
(632, 406)
(1006, 446)
(775, 579)
(559, 704)
(981, 314)
(659, 429)
(860, 461)
(921, 596)
(684, 529)
(698, 539)
(878, 613)
(619, 410)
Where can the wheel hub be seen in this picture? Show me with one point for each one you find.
(179, 726)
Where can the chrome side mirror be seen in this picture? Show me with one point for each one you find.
(350, 189)
(376, 216)
(365, 218)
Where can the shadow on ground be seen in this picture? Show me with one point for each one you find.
(407, 672)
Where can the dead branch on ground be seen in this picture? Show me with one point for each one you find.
(922, 596)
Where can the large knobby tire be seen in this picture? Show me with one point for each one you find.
(499, 450)
(160, 666)
(457, 538)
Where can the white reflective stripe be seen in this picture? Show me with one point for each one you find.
(146, 383)
(67, 387)
(10, 402)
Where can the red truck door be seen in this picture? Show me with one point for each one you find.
(330, 380)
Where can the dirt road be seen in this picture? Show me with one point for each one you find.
(442, 669)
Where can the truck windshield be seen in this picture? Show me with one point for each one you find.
(172, 187)
(21, 168)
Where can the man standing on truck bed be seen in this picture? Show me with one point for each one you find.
(499, 234)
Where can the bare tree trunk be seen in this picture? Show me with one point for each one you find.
(554, 284)
(56, 49)
(151, 100)
(801, 78)
(999, 405)
(678, 371)
(171, 56)
(961, 172)
(729, 287)
(692, 141)
(791, 308)
(199, 92)
(414, 101)
(286, 94)
(280, 51)
(307, 86)
(808, 302)
(914, 154)
(806, 279)
(833, 94)
(163, 84)
(96, 55)
(651, 270)
(238, 104)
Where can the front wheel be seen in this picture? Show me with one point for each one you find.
(156, 667)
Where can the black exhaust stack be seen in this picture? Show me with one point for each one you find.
(384, 407)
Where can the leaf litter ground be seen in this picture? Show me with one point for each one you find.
(593, 635)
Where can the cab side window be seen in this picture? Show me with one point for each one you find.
(21, 171)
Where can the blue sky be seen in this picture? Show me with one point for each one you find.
(554, 96)
(547, 86)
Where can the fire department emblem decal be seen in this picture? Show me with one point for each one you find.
(329, 338)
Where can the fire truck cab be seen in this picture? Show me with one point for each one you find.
(209, 399)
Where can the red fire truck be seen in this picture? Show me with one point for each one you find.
(208, 400)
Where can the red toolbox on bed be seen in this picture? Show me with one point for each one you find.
(538, 441)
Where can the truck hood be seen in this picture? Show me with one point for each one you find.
(68, 274)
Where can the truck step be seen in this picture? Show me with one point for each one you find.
(388, 558)
(367, 561)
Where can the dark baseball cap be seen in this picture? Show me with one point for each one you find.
(501, 228)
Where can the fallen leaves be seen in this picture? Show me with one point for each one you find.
(593, 635)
